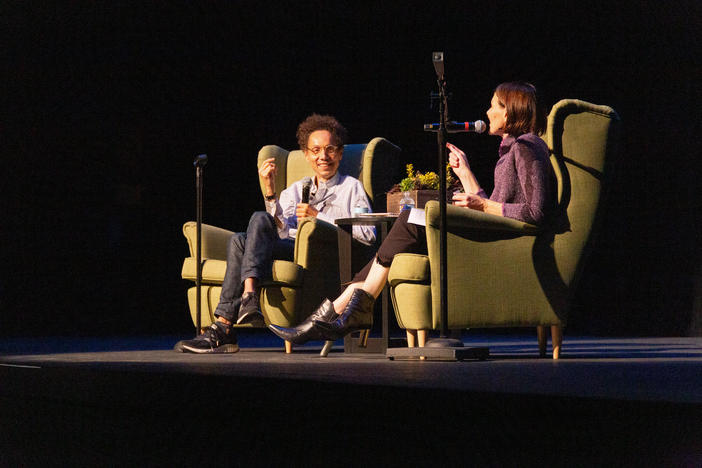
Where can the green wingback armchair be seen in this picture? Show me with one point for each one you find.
(298, 286)
(507, 273)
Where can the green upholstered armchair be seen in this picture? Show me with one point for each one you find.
(506, 273)
(299, 286)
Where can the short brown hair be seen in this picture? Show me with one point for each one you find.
(320, 122)
(525, 113)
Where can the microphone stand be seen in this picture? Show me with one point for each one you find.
(442, 347)
(441, 137)
(199, 164)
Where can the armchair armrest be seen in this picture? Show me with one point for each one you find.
(459, 218)
(214, 240)
(315, 244)
(317, 251)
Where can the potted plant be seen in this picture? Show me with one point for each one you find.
(419, 187)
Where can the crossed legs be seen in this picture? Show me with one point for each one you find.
(353, 309)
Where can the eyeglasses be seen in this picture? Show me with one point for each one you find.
(331, 150)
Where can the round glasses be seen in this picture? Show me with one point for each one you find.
(331, 150)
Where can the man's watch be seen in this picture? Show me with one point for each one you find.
(270, 197)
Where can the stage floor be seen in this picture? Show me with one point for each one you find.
(636, 401)
(655, 369)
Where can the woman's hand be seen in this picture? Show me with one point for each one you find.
(458, 161)
(267, 173)
(303, 210)
(476, 202)
(459, 164)
(470, 200)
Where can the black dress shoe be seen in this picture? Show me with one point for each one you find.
(307, 331)
(358, 315)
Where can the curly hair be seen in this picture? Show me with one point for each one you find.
(525, 113)
(320, 122)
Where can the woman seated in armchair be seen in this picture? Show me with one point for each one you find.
(522, 190)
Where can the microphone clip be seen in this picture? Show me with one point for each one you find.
(200, 160)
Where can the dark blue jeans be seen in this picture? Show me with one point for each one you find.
(250, 254)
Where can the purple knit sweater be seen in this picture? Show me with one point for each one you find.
(523, 178)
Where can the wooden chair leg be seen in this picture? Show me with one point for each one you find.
(288, 347)
(422, 340)
(556, 340)
(411, 338)
(422, 337)
(541, 337)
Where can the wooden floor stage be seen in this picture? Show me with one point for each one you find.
(134, 401)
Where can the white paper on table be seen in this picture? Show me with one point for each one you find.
(417, 216)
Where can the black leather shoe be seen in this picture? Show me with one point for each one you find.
(307, 331)
(358, 315)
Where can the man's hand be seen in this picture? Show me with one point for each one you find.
(303, 210)
(267, 173)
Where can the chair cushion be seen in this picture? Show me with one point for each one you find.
(412, 268)
(284, 272)
(212, 270)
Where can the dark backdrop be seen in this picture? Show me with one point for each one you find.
(105, 105)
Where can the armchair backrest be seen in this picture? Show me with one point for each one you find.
(583, 139)
(375, 164)
(502, 272)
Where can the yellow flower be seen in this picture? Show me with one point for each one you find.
(427, 181)
(410, 171)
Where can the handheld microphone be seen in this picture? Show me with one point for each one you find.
(457, 127)
(306, 185)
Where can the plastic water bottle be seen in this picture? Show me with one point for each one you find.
(359, 209)
(406, 202)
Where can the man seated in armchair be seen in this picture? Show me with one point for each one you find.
(270, 234)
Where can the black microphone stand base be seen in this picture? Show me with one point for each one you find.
(444, 349)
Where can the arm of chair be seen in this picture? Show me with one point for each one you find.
(317, 251)
(464, 219)
(214, 240)
(316, 247)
